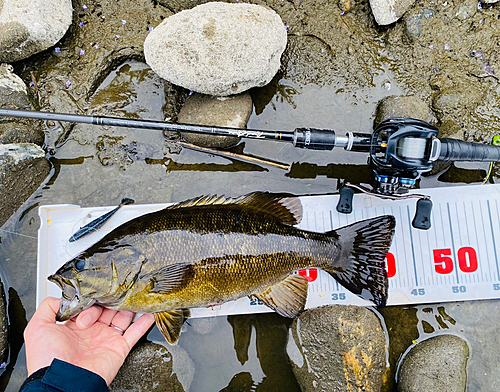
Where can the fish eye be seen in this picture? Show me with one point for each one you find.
(79, 265)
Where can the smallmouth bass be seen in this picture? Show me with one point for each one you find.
(211, 250)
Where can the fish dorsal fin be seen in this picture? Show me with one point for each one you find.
(286, 208)
(170, 323)
(168, 279)
(287, 297)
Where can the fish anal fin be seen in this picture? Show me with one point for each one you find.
(170, 323)
(284, 207)
(288, 297)
(170, 278)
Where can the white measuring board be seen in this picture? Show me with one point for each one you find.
(457, 259)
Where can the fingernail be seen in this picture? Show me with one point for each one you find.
(85, 321)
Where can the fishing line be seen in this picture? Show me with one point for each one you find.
(22, 235)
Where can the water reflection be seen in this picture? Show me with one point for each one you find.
(271, 331)
(17, 324)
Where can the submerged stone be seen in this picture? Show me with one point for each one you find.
(23, 168)
(218, 48)
(338, 348)
(231, 112)
(31, 26)
(148, 367)
(402, 107)
(437, 364)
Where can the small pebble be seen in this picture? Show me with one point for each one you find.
(123, 21)
(446, 46)
(151, 29)
(80, 24)
(96, 46)
(57, 50)
(84, 7)
(68, 83)
(82, 52)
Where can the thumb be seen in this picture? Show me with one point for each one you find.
(47, 310)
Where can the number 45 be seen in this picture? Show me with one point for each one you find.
(418, 292)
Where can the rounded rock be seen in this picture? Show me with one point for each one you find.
(437, 364)
(23, 168)
(338, 348)
(401, 107)
(230, 112)
(148, 367)
(14, 95)
(218, 48)
(31, 26)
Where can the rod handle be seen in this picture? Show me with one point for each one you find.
(459, 150)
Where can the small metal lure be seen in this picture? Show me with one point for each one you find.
(98, 222)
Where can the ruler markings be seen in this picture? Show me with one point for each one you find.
(477, 247)
(493, 237)
(406, 249)
(460, 241)
(452, 241)
(484, 240)
(413, 250)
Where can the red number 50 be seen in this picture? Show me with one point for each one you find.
(467, 260)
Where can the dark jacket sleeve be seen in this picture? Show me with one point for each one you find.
(61, 376)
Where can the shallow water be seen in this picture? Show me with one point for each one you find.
(97, 166)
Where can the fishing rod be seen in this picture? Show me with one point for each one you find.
(400, 150)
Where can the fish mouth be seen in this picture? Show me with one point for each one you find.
(71, 304)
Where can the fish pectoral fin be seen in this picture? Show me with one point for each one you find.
(170, 323)
(288, 297)
(169, 278)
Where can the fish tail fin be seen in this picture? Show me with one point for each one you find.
(361, 266)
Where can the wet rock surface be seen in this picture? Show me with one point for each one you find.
(218, 48)
(23, 168)
(4, 328)
(436, 364)
(401, 106)
(31, 26)
(148, 367)
(231, 112)
(14, 95)
(338, 348)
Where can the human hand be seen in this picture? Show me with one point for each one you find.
(87, 341)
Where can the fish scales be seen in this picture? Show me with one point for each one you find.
(233, 254)
(211, 250)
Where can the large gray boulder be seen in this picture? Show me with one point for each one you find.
(218, 48)
(338, 348)
(438, 364)
(31, 26)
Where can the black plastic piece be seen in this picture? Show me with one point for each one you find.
(344, 205)
(314, 139)
(422, 219)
